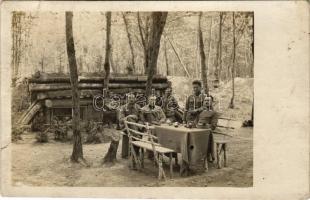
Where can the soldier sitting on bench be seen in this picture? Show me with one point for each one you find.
(151, 113)
(130, 112)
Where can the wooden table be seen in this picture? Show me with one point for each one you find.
(192, 143)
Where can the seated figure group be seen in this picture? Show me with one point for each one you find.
(198, 112)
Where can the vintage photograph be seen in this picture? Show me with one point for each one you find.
(132, 99)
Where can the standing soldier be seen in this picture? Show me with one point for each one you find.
(194, 104)
(170, 105)
(208, 119)
(129, 111)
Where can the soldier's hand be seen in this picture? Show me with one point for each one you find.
(132, 117)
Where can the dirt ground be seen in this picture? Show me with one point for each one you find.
(48, 164)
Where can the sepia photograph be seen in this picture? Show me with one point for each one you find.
(170, 100)
(132, 98)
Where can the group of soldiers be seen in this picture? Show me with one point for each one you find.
(198, 112)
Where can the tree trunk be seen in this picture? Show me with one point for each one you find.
(252, 114)
(202, 58)
(107, 52)
(218, 64)
(157, 28)
(130, 44)
(144, 40)
(231, 105)
(77, 141)
(111, 154)
(166, 59)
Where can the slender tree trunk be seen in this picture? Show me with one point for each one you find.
(209, 51)
(157, 28)
(252, 48)
(252, 114)
(202, 58)
(77, 153)
(144, 35)
(231, 105)
(107, 52)
(110, 156)
(218, 64)
(166, 58)
(197, 55)
(130, 43)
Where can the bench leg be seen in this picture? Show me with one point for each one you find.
(171, 165)
(176, 159)
(205, 164)
(218, 149)
(161, 172)
(142, 158)
(225, 157)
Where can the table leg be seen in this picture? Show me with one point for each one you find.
(171, 165)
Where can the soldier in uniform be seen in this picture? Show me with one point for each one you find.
(208, 119)
(152, 113)
(194, 104)
(170, 105)
(130, 112)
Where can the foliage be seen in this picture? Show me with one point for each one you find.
(46, 49)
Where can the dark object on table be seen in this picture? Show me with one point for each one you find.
(176, 124)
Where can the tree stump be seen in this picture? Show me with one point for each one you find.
(110, 156)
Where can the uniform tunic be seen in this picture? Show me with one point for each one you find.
(170, 105)
(152, 115)
(193, 102)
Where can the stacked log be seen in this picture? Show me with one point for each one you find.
(83, 86)
(82, 79)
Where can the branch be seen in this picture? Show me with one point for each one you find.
(140, 30)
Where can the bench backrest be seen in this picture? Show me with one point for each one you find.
(228, 123)
(140, 132)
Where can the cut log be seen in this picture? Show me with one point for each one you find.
(96, 79)
(30, 113)
(59, 86)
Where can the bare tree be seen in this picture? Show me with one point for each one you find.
(129, 42)
(166, 58)
(110, 156)
(218, 61)
(107, 51)
(202, 57)
(144, 36)
(157, 28)
(231, 104)
(77, 153)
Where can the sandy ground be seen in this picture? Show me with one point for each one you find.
(48, 164)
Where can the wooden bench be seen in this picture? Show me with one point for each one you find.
(146, 141)
(222, 135)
